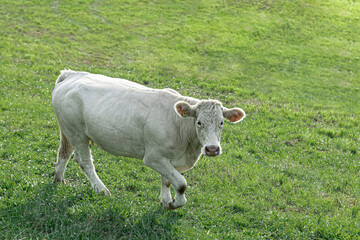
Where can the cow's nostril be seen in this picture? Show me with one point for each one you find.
(212, 150)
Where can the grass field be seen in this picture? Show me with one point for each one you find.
(290, 170)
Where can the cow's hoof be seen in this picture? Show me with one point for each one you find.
(169, 206)
(59, 180)
(105, 191)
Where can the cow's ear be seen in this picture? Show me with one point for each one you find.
(183, 109)
(234, 115)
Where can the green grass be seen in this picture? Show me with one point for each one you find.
(290, 170)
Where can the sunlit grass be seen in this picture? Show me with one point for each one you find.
(289, 170)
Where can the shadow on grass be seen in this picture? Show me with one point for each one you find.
(51, 214)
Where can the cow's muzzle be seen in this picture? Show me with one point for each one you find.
(212, 150)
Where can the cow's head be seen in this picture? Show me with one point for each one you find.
(209, 121)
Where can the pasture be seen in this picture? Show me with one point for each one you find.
(289, 170)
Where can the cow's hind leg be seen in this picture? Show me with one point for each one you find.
(64, 153)
(84, 158)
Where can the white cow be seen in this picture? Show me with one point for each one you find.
(164, 129)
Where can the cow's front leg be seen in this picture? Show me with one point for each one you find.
(165, 191)
(167, 171)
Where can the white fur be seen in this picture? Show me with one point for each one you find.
(128, 119)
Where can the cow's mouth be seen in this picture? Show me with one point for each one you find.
(212, 150)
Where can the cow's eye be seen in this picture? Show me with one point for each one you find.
(198, 123)
(221, 123)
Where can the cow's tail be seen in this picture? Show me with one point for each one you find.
(64, 74)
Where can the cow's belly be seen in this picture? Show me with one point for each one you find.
(116, 141)
(122, 149)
